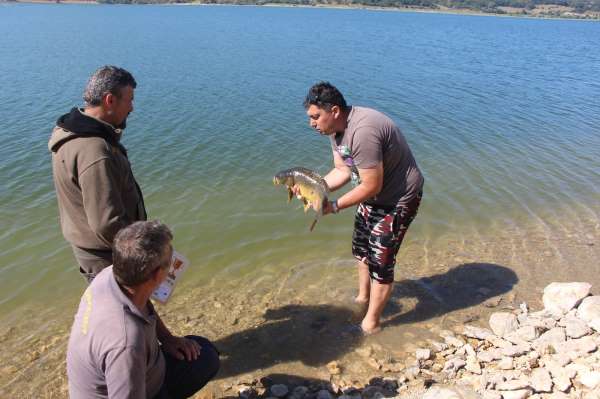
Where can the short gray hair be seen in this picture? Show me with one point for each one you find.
(107, 79)
(139, 249)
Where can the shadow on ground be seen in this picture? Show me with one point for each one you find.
(317, 334)
(461, 287)
(311, 334)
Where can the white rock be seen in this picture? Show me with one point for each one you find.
(515, 350)
(520, 394)
(279, 390)
(506, 363)
(580, 345)
(441, 393)
(469, 350)
(461, 351)
(589, 309)
(423, 354)
(454, 364)
(541, 314)
(498, 342)
(576, 328)
(526, 333)
(540, 380)
(512, 385)
(476, 332)
(491, 395)
(576, 369)
(590, 379)
(558, 360)
(556, 395)
(503, 323)
(561, 381)
(524, 308)
(595, 324)
(473, 365)
(438, 346)
(550, 338)
(454, 341)
(488, 356)
(592, 395)
(559, 298)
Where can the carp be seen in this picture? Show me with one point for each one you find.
(313, 190)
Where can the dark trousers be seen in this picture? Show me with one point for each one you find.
(184, 378)
(91, 261)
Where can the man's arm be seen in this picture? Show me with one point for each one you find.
(102, 200)
(339, 175)
(371, 184)
(178, 347)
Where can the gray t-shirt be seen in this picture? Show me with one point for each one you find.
(113, 349)
(372, 137)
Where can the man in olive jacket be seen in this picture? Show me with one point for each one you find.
(95, 188)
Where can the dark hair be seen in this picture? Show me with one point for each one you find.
(139, 249)
(107, 79)
(325, 95)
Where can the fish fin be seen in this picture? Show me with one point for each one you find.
(312, 226)
(306, 205)
(290, 194)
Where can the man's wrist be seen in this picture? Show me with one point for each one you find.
(335, 207)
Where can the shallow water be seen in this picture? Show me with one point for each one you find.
(501, 113)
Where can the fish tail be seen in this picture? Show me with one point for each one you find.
(312, 226)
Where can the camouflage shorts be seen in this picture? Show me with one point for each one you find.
(378, 233)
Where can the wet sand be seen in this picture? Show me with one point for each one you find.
(287, 325)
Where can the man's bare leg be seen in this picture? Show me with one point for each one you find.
(364, 284)
(364, 291)
(380, 294)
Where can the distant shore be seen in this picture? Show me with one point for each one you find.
(544, 11)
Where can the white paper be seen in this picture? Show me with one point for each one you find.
(178, 265)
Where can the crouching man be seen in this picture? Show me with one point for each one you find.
(118, 346)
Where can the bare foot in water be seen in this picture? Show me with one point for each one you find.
(369, 328)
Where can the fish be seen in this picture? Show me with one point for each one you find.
(314, 191)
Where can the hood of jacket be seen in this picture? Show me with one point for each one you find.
(76, 124)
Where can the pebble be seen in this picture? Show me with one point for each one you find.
(423, 354)
(502, 323)
(540, 380)
(590, 379)
(506, 363)
(520, 394)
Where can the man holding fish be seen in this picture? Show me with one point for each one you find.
(370, 151)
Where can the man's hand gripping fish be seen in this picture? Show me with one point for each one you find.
(313, 189)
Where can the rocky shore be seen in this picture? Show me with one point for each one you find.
(549, 353)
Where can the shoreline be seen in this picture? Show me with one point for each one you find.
(265, 322)
(594, 16)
